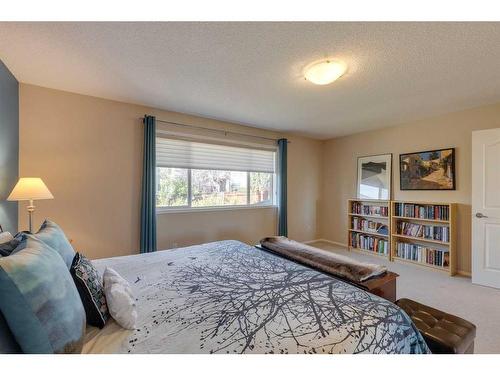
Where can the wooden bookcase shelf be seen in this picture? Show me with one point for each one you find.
(370, 216)
(436, 251)
(371, 213)
(432, 251)
(419, 219)
(403, 260)
(369, 232)
(422, 239)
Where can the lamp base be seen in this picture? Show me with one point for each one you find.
(31, 209)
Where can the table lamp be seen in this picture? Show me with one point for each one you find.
(30, 189)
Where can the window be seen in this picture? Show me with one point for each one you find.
(261, 188)
(201, 175)
(172, 189)
(218, 188)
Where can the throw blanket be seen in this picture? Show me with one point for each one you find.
(333, 264)
(229, 297)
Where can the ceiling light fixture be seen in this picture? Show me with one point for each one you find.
(325, 71)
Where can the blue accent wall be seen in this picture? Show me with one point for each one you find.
(9, 146)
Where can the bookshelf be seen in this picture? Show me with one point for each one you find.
(369, 226)
(423, 233)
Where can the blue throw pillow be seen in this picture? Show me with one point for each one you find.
(39, 300)
(52, 235)
(8, 344)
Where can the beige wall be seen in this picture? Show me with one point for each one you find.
(89, 153)
(451, 130)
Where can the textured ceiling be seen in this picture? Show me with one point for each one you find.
(251, 73)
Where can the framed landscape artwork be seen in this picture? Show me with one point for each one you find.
(428, 170)
(374, 177)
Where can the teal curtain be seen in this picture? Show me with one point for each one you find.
(282, 188)
(148, 204)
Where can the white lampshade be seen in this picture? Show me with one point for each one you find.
(30, 188)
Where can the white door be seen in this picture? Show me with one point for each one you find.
(486, 207)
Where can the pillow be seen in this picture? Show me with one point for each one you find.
(8, 344)
(89, 286)
(39, 300)
(11, 245)
(5, 237)
(52, 235)
(121, 302)
(7, 248)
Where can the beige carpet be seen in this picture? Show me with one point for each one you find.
(456, 295)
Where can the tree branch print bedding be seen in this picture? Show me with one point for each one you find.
(228, 297)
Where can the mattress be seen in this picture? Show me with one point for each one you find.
(228, 297)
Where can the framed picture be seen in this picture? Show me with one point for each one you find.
(428, 170)
(374, 177)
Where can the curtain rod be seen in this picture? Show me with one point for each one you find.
(217, 130)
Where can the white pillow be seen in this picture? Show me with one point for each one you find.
(120, 300)
(5, 237)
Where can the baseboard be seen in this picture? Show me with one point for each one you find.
(327, 241)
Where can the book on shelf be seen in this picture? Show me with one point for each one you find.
(430, 232)
(366, 225)
(366, 209)
(367, 242)
(422, 211)
(423, 254)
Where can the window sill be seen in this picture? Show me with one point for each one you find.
(161, 211)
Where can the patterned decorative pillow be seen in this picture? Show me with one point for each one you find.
(8, 247)
(39, 300)
(89, 285)
(53, 235)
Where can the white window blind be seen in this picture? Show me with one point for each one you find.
(175, 153)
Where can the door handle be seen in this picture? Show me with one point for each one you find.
(479, 215)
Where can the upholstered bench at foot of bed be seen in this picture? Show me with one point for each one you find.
(444, 333)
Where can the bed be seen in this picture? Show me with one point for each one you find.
(228, 297)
